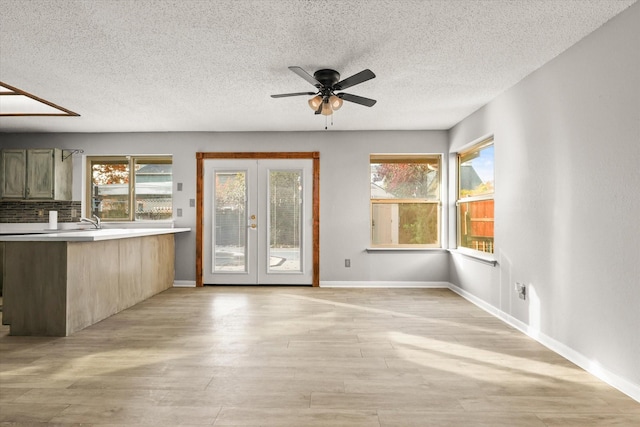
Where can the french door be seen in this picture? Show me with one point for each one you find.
(258, 221)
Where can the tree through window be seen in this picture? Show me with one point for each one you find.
(130, 188)
(405, 200)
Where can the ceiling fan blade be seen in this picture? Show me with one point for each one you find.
(308, 77)
(356, 79)
(367, 102)
(284, 95)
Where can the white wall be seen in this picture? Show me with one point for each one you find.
(344, 189)
(567, 147)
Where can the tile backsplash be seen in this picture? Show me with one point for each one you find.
(38, 211)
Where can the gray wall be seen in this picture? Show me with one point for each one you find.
(567, 147)
(344, 189)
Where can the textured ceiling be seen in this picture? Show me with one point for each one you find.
(160, 65)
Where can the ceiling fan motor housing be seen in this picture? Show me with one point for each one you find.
(327, 77)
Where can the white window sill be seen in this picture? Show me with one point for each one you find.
(478, 256)
(405, 250)
(162, 223)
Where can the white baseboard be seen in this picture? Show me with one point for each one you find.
(184, 283)
(627, 387)
(381, 284)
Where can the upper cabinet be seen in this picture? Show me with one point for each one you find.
(13, 174)
(42, 174)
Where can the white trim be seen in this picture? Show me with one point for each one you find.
(471, 199)
(184, 283)
(381, 284)
(406, 249)
(627, 387)
(469, 145)
(475, 255)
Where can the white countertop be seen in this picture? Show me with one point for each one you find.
(89, 235)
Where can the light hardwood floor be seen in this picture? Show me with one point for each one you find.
(294, 356)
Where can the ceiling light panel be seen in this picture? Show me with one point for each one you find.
(16, 102)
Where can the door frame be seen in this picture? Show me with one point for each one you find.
(202, 156)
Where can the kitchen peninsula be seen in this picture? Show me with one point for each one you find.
(58, 283)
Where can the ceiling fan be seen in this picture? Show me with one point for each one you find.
(327, 83)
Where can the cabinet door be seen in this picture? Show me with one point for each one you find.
(63, 175)
(40, 174)
(14, 164)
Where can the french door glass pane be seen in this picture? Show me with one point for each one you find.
(230, 221)
(285, 220)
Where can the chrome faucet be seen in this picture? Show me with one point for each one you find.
(96, 222)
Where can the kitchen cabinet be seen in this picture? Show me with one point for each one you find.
(14, 177)
(43, 174)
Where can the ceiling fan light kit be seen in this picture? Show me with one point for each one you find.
(315, 102)
(327, 82)
(336, 102)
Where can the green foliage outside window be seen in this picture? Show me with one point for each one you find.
(130, 188)
(405, 196)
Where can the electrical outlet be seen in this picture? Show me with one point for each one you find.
(179, 186)
(347, 262)
(179, 212)
(521, 288)
(192, 203)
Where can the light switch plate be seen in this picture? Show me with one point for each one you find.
(179, 186)
(179, 212)
(192, 203)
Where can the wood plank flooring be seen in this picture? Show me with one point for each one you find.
(297, 356)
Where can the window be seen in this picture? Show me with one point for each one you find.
(405, 200)
(475, 197)
(129, 188)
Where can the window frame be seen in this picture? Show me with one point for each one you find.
(131, 160)
(476, 146)
(376, 158)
